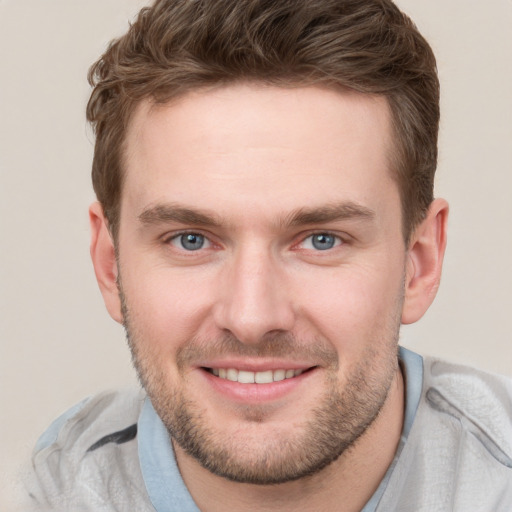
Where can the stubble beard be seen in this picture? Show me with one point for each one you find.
(342, 415)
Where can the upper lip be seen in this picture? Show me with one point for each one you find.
(256, 365)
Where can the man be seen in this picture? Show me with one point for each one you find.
(265, 223)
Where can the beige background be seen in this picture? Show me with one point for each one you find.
(57, 344)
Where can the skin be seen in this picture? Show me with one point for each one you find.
(257, 171)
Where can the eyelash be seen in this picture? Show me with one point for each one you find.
(336, 240)
(177, 236)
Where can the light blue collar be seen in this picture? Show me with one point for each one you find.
(166, 489)
(412, 369)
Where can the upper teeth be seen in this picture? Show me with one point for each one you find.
(246, 377)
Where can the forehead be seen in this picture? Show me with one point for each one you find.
(264, 145)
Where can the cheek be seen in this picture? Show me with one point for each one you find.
(166, 308)
(354, 306)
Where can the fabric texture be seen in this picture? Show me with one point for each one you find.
(111, 452)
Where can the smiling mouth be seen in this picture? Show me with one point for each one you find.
(248, 377)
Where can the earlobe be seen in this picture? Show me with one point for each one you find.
(424, 262)
(104, 260)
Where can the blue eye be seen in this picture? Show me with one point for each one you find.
(190, 241)
(321, 241)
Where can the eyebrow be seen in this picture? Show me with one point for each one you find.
(329, 213)
(173, 212)
(163, 213)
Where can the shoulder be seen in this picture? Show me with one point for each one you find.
(475, 390)
(88, 456)
(88, 421)
(479, 401)
(458, 455)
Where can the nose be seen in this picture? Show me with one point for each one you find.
(254, 299)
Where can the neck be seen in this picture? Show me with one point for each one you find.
(351, 480)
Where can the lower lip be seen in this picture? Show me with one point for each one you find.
(256, 393)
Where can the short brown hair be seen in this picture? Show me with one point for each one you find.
(176, 46)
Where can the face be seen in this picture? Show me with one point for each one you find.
(261, 269)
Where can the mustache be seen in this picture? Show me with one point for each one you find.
(272, 345)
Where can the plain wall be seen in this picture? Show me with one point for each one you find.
(57, 343)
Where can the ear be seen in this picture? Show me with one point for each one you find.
(104, 260)
(424, 262)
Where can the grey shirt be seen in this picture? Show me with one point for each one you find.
(111, 452)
